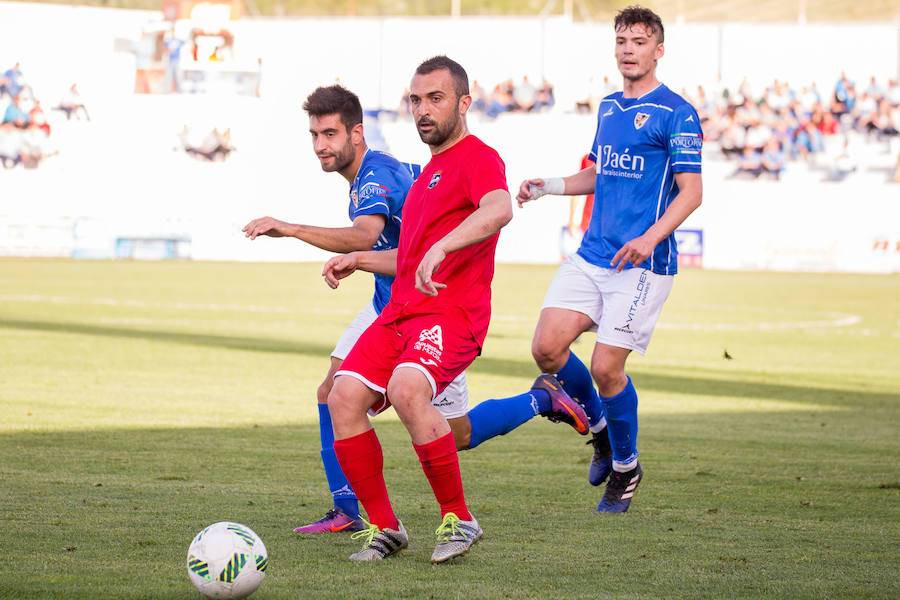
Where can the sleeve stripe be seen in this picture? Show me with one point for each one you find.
(372, 206)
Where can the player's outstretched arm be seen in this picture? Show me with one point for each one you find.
(579, 184)
(338, 267)
(690, 195)
(493, 212)
(361, 235)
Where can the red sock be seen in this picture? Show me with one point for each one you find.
(362, 462)
(441, 465)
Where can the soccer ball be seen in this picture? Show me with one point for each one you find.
(227, 560)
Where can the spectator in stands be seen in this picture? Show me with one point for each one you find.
(173, 62)
(864, 114)
(405, 108)
(731, 138)
(842, 165)
(479, 97)
(34, 146)
(72, 104)
(501, 101)
(10, 142)
(37, 117)
(756, 135)
(214, 146)
(823, 120)
(808, 141)
(772, 159)
(893, 92)
(525, 95)
(13, 81)
(887, 119)
(15, 114)
(545, 96)
(750, 164)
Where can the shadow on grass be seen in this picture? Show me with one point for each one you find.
(113, 505)
(690, 385)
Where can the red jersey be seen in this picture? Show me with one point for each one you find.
(443, 196)
(588, 209)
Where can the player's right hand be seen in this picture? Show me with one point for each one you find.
(265, 226)
(531, 189)
(339, 267)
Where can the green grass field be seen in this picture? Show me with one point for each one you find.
(141, 401)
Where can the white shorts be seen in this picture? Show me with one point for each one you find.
(453, 402)
(624, 306)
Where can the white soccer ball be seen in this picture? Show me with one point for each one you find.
(227, 560)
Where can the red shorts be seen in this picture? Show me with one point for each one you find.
(441, 346)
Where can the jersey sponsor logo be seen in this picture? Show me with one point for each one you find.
(427, 362)
(640, 120)
(609, 112)
(686, 143)
(435, 335)
(434, 179)
(690, 119)
(371, 172)
(622, 164)
(431, 342)
(370, 190)
(640, 298)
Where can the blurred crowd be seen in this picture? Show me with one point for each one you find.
(505, 97)
(767, 130)
(210, 146)
(25, 130)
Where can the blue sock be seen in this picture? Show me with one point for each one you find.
(578, 383)
(621, 419)
(499, 417)
(344, 498)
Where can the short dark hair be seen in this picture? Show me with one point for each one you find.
(335, 99)
(638, 15)
(436, 63)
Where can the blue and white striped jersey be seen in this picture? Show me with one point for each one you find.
(639, 146)
(380, 188)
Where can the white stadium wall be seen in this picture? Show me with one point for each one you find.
(118, 188)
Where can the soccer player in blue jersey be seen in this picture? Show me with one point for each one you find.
(378, 187)
(646, 182)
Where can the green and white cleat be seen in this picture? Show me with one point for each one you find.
(380, 543)
(455, 537)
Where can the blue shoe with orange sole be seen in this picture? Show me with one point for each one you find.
(563, 409)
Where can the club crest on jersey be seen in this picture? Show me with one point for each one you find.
(434, 179)
(640, 119)
(354, 197)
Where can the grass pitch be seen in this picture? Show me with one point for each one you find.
(143, 401)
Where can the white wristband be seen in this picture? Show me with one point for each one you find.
(553, 185)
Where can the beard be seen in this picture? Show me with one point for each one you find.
(440, 131)
(342, 159)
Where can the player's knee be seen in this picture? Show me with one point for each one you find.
(407, 396)
(342, 405)
(547, 354)
(610, 377)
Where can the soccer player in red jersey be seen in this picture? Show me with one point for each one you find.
(437, 318)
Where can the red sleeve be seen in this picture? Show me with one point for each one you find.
(485, 173)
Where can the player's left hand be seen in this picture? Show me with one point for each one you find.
(339, 267)
(265, 226)
(633, 252)
(430, 263)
